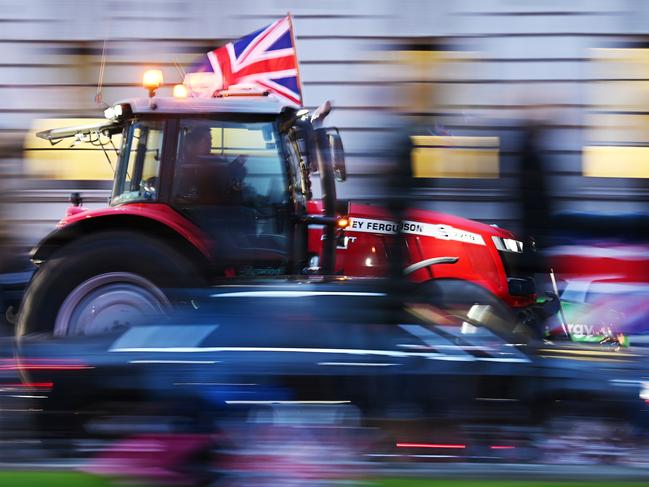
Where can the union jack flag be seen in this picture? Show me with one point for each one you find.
(266, 58)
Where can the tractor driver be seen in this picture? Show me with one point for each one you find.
(198, 175)
(213, 179)
(198, 142)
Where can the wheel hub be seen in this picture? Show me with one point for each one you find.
(107, 302)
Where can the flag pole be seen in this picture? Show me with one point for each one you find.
(297, 60)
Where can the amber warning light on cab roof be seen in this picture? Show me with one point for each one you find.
(152, 80)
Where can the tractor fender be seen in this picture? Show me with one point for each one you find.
(188, 242)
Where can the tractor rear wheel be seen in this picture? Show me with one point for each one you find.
(104, 282)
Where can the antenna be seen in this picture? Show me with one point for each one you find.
(100, 82)
(180, 70)
(102, 67)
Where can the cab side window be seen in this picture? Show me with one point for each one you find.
(228, 164)
(230, 178)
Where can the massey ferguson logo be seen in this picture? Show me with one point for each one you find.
(373, 226)
(385, 227)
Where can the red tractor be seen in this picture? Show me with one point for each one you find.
(207, 190)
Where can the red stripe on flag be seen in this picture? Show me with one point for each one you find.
(280, 93)
(223, 58)
(268, 66)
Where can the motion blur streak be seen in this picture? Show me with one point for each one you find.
(289, 402)
(173, 362)
(430, 445)
(29, 385)
(345, 351)
(356, 364)
(43, 366)
(291, 294)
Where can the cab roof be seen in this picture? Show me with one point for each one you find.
(234, 104)
(263, 105)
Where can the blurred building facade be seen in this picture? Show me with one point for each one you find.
(472, 70)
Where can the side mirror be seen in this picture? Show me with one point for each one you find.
(331, 146)
(320, 113)
(340, 170)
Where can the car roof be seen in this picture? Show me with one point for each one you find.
(234, 104)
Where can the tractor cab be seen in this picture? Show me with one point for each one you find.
(238, 168)
(204, 189)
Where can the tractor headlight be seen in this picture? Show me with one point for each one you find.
(508, 244)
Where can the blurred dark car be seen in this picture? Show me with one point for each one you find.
(417, 382)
